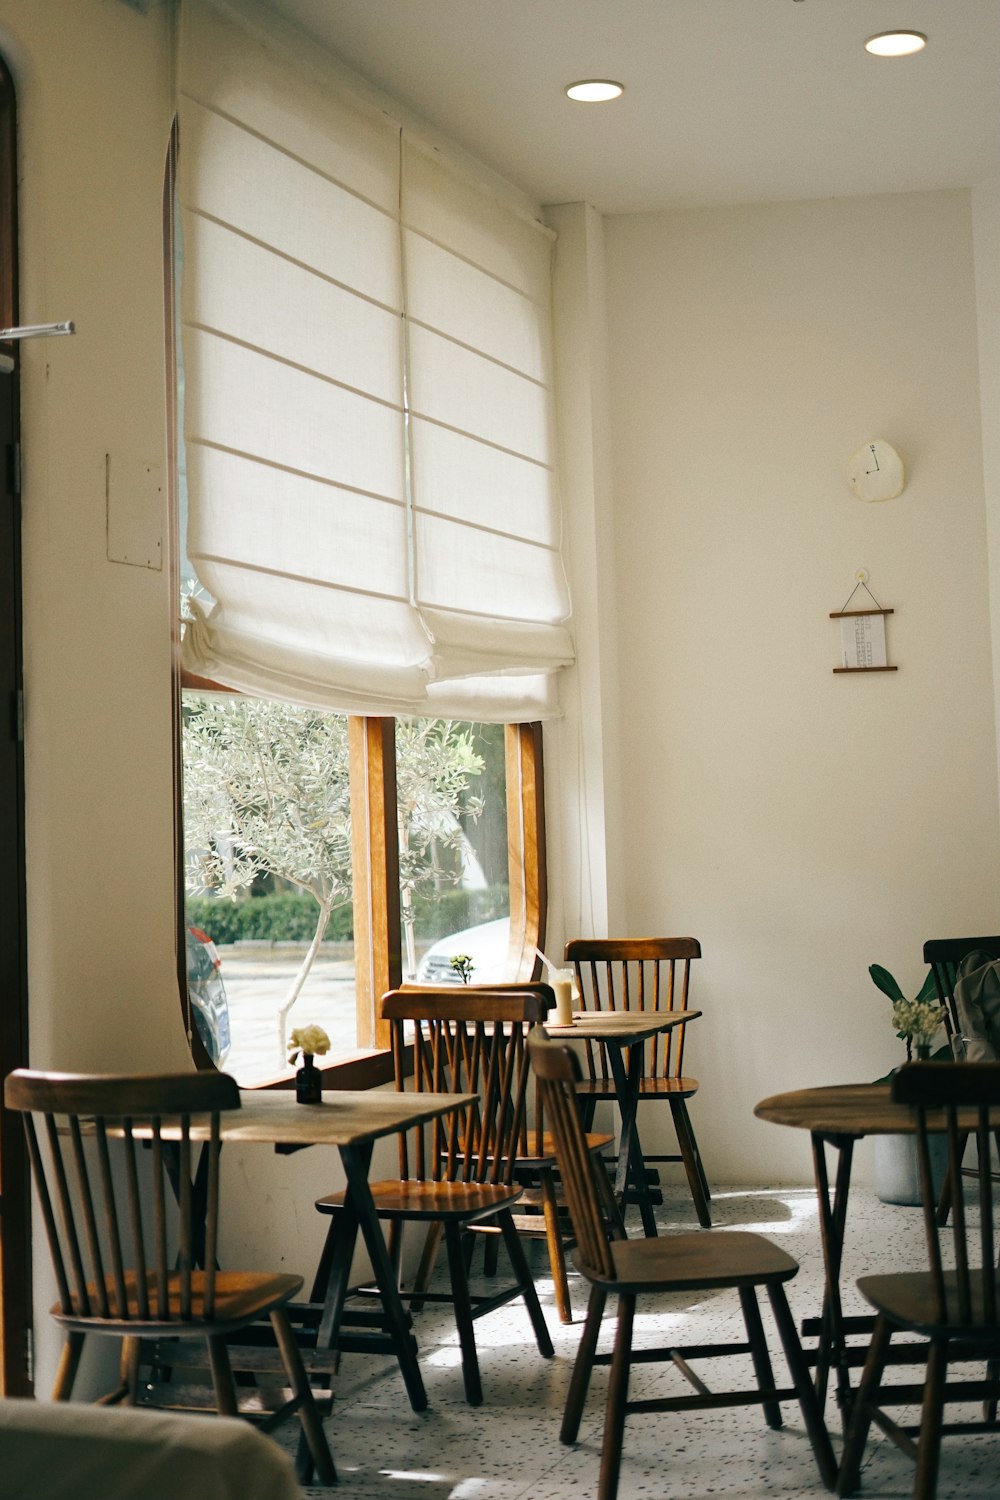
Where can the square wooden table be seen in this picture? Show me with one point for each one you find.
(352, 1121)
(621, 1031)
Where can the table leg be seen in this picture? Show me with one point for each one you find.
(360, 1213)
(832, 1222)
(631, 1164)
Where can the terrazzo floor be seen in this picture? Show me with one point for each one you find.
(509, 1447)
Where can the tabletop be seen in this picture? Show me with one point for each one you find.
(850, 1109)
(624, 1026)
(345, 1117)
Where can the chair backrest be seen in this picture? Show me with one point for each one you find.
(114, 1252)
(649, 974)
(458, 1040)
(962, 1256)
(585, 1184)
(944, 956)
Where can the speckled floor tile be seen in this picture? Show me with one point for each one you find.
(509, 1447)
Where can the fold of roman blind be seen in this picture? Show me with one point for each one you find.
(365, 340)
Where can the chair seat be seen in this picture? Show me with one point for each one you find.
(694, 1262)
(665, 1088)
(240, 1297)
(909, 1300)
(546, 1156)
(431, 1200)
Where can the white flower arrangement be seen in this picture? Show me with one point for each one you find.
(311, 1041)
(917, 1020)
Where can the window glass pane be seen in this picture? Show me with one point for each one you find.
(453, 872)
(267, 819)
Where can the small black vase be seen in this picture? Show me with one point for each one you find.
(308, 1082)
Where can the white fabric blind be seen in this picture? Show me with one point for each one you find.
(365, 336)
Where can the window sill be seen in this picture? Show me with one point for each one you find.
(362, 1070)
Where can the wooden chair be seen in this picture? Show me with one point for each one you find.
(688, 1263)
(122, 1267)
(954, 1304)
(645, 974)
(944, 956)
(541, 1209)
(460, 1171)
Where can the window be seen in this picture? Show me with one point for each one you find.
(371, 531)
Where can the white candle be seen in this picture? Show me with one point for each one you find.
(562, 983)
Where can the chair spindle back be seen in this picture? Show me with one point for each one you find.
(944, 956)
(465, 1042)
(640, 974)
(965, 1280)
(111, 1243)
(588, 1194)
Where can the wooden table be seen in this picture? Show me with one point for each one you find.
(620, 1031)
(837, 1115)
(352, 1121)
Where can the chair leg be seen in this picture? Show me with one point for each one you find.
(582, 1366)
(222, 1376)
(69, 1363)
(425, 1270)
(849, 1476)
(812, 1412)
(931, 1418)
(491, 1254)
(463, 1315)
(554, 1243)
(309, 1416)
(697, 1182)
(759, 1353)
(129, 1366)
(614, 1414)
(522, 1272)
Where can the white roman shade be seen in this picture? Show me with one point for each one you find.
(365, 334)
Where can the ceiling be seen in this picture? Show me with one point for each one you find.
(726, 101)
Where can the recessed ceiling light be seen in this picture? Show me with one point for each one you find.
(595, 90)
(896, 43)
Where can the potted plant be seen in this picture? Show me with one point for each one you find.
(917, 1022)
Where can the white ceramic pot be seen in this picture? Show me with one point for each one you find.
(897, 1175)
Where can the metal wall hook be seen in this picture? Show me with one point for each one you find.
(36, 331)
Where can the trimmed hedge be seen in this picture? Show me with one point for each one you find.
(290, 916)
(283, 917)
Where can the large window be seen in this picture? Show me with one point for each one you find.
(376, 599)
(269, 872)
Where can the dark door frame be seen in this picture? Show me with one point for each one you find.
(15, 1201)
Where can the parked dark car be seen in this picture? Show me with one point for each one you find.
(209, 1005)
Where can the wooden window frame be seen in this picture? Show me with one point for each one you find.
(16, 1377)
(375, 849)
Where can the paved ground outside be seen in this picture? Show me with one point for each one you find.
(258, 977)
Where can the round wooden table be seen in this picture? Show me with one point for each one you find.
(836, 1115)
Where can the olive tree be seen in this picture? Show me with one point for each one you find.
(267, 791)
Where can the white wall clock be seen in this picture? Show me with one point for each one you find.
(876, 471)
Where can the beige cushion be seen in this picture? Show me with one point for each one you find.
(70, 1451)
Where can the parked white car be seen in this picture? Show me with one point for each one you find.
(488, 946)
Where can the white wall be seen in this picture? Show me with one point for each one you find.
(986, 239)
(802, 825)
(96, 632)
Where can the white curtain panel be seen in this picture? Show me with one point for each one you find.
(365, 335)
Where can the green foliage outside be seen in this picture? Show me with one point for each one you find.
(285, 917)
(267, 793)
(290, 917)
